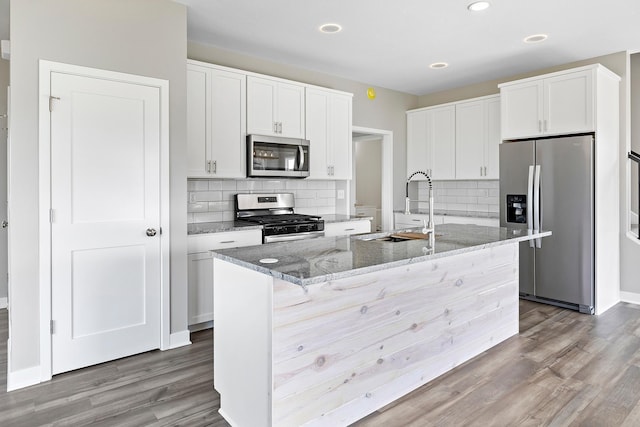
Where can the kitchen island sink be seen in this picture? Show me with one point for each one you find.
(328, 330)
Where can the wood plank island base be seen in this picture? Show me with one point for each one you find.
(326, 331)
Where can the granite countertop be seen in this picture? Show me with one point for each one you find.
(218, 227)
(495, 215)
(222, 226)
(306, 262)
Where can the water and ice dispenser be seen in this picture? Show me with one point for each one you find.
(517, 208)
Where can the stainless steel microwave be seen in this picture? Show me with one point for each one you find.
(274, 156)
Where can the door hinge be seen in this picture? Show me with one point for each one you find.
(52, 326)
(51, 216)
(51, 98)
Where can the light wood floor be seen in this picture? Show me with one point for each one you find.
(563, 369)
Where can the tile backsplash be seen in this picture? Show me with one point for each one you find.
(212, 199)
(458, 196)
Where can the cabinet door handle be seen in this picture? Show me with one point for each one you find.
(545, 125)
(227, 242)
(279, 127)
(539, 125)
(485, 171)
(208, 166)
(415, 220)
(275, 127)
(480, 170)
(215, 166)
(349, 229)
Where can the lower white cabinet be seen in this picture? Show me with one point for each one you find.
(418, 220)
(200, 267)
(346, 228)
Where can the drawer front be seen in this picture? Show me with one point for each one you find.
(224, 240)
(347, 228)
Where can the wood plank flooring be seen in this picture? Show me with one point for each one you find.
(564, 369)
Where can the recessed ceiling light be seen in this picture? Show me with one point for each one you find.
(330, 28)
(478, 6)
(536, 38)
(437, 65)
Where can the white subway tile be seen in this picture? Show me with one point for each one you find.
(228, 216)
(456, 206)
(303, 203)
(229, 185)
(249, 185)
(467, 184)
(198, 207)
(189, 218)
(207, 216)
(227, 196)
(294, 184)
(273, 185)
(467, 200)
(197, 185)
(494, 192)
(207, 196)
(306, 194)
(488, 184)
(215, 185)
(494, 208)
(307, 211)
(480, 208)
(331, 185)
(326, 210)
(478, 192)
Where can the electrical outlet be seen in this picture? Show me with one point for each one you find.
(340, 194)
(192, 197)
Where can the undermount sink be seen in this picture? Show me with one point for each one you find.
(402, 237)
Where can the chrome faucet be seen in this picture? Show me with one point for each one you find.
(430, 227)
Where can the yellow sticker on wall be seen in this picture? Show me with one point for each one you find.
(371, 93)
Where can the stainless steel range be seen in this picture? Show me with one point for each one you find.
(276, 215)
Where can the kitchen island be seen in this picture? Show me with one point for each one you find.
(326, 331)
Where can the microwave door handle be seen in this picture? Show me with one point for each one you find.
(300, 157)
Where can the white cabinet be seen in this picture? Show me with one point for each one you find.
(200, 268)
(555, 104)
(431, 142)
(403, 221)
(347, 228)
(478, 138)
(328, 129)
(275, 107)
(216, 122)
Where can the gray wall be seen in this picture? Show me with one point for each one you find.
(368, 158)
(635, 126)
(4, 82)
(619, 63)
(386, 111)
(144, 37)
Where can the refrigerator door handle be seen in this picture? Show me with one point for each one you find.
(530, 203)
(536, 203)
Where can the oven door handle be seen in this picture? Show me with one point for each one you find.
(300, 157)
(293, 236)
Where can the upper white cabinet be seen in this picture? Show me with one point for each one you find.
(554, 104)
(431, 142)
(275, 107)
(216, 122)
(328, 129)
(478, 138)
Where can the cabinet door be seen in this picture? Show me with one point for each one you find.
(442, 141)
(317, 125)
(261, 106)
(418, 150)
(290, 110)
(198, 121)
(228, 124)
(470, 139)
(492, 146)
(347, 228)
(521, 106)
(200, 287)
(569, 103)
(340, 136)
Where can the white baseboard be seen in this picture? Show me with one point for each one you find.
(23, 378)
(630, 297)
(3, 303)
(179, 339)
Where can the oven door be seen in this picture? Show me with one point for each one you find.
(270, 156)
(293, 236)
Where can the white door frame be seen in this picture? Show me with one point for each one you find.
(387, 174)
(44, 191)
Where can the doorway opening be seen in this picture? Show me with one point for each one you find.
(372, 184)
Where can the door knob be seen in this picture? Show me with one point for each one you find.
(4, 224)
(151, 232)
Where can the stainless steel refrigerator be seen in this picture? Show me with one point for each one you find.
(548, 184)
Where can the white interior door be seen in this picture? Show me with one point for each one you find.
(105, 201)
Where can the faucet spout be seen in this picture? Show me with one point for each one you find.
(430, 227)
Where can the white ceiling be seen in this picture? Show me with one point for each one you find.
(390, 43)
(387, 43)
